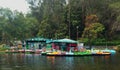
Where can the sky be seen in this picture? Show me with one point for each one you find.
(19, 5)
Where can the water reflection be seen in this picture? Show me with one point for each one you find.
(51, 59)
(39, 62)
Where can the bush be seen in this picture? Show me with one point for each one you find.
(118, 48)
(106, 43)
(3, 47)
(100, 42)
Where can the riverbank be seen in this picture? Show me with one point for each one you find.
(9, 50)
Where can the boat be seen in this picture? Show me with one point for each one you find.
(85, 53)
(100, 52)
(69, 54)
(79, 53)
(110, 51)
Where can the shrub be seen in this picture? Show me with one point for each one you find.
(3, 47)
(118, 48)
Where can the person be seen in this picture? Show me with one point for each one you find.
(43, 49)
(53, 46)
(68, 48)
(80, 46)
(39, 46)
(75, 49)
(57, 47)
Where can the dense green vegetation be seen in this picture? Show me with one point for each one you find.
(118, 48)
(89, 21)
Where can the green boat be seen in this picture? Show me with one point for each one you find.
(82, 53)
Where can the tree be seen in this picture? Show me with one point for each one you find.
(49, 14)
(5, 16)
(74, 17)
(92, 28)
(15, 25)
(115, 26)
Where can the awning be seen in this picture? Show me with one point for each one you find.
(65, 41)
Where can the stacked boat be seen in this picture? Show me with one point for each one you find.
(81, 53)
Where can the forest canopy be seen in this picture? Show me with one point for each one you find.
(62, 19)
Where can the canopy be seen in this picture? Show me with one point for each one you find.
(38, 39)
(65, 41)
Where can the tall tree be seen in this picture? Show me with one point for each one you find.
(49, 13)
(92, 28)
(15, 25)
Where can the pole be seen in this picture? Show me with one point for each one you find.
(77, 32)
(69, 20)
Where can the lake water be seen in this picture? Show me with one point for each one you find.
(39, 62)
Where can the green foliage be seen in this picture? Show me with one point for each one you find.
(56, 18)
(75, 18)
(15, 25)
(4, 47)
(50, 15)
(115, 6)
(94, 29)
(118, 48)
(109, 43)
(100, 42)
